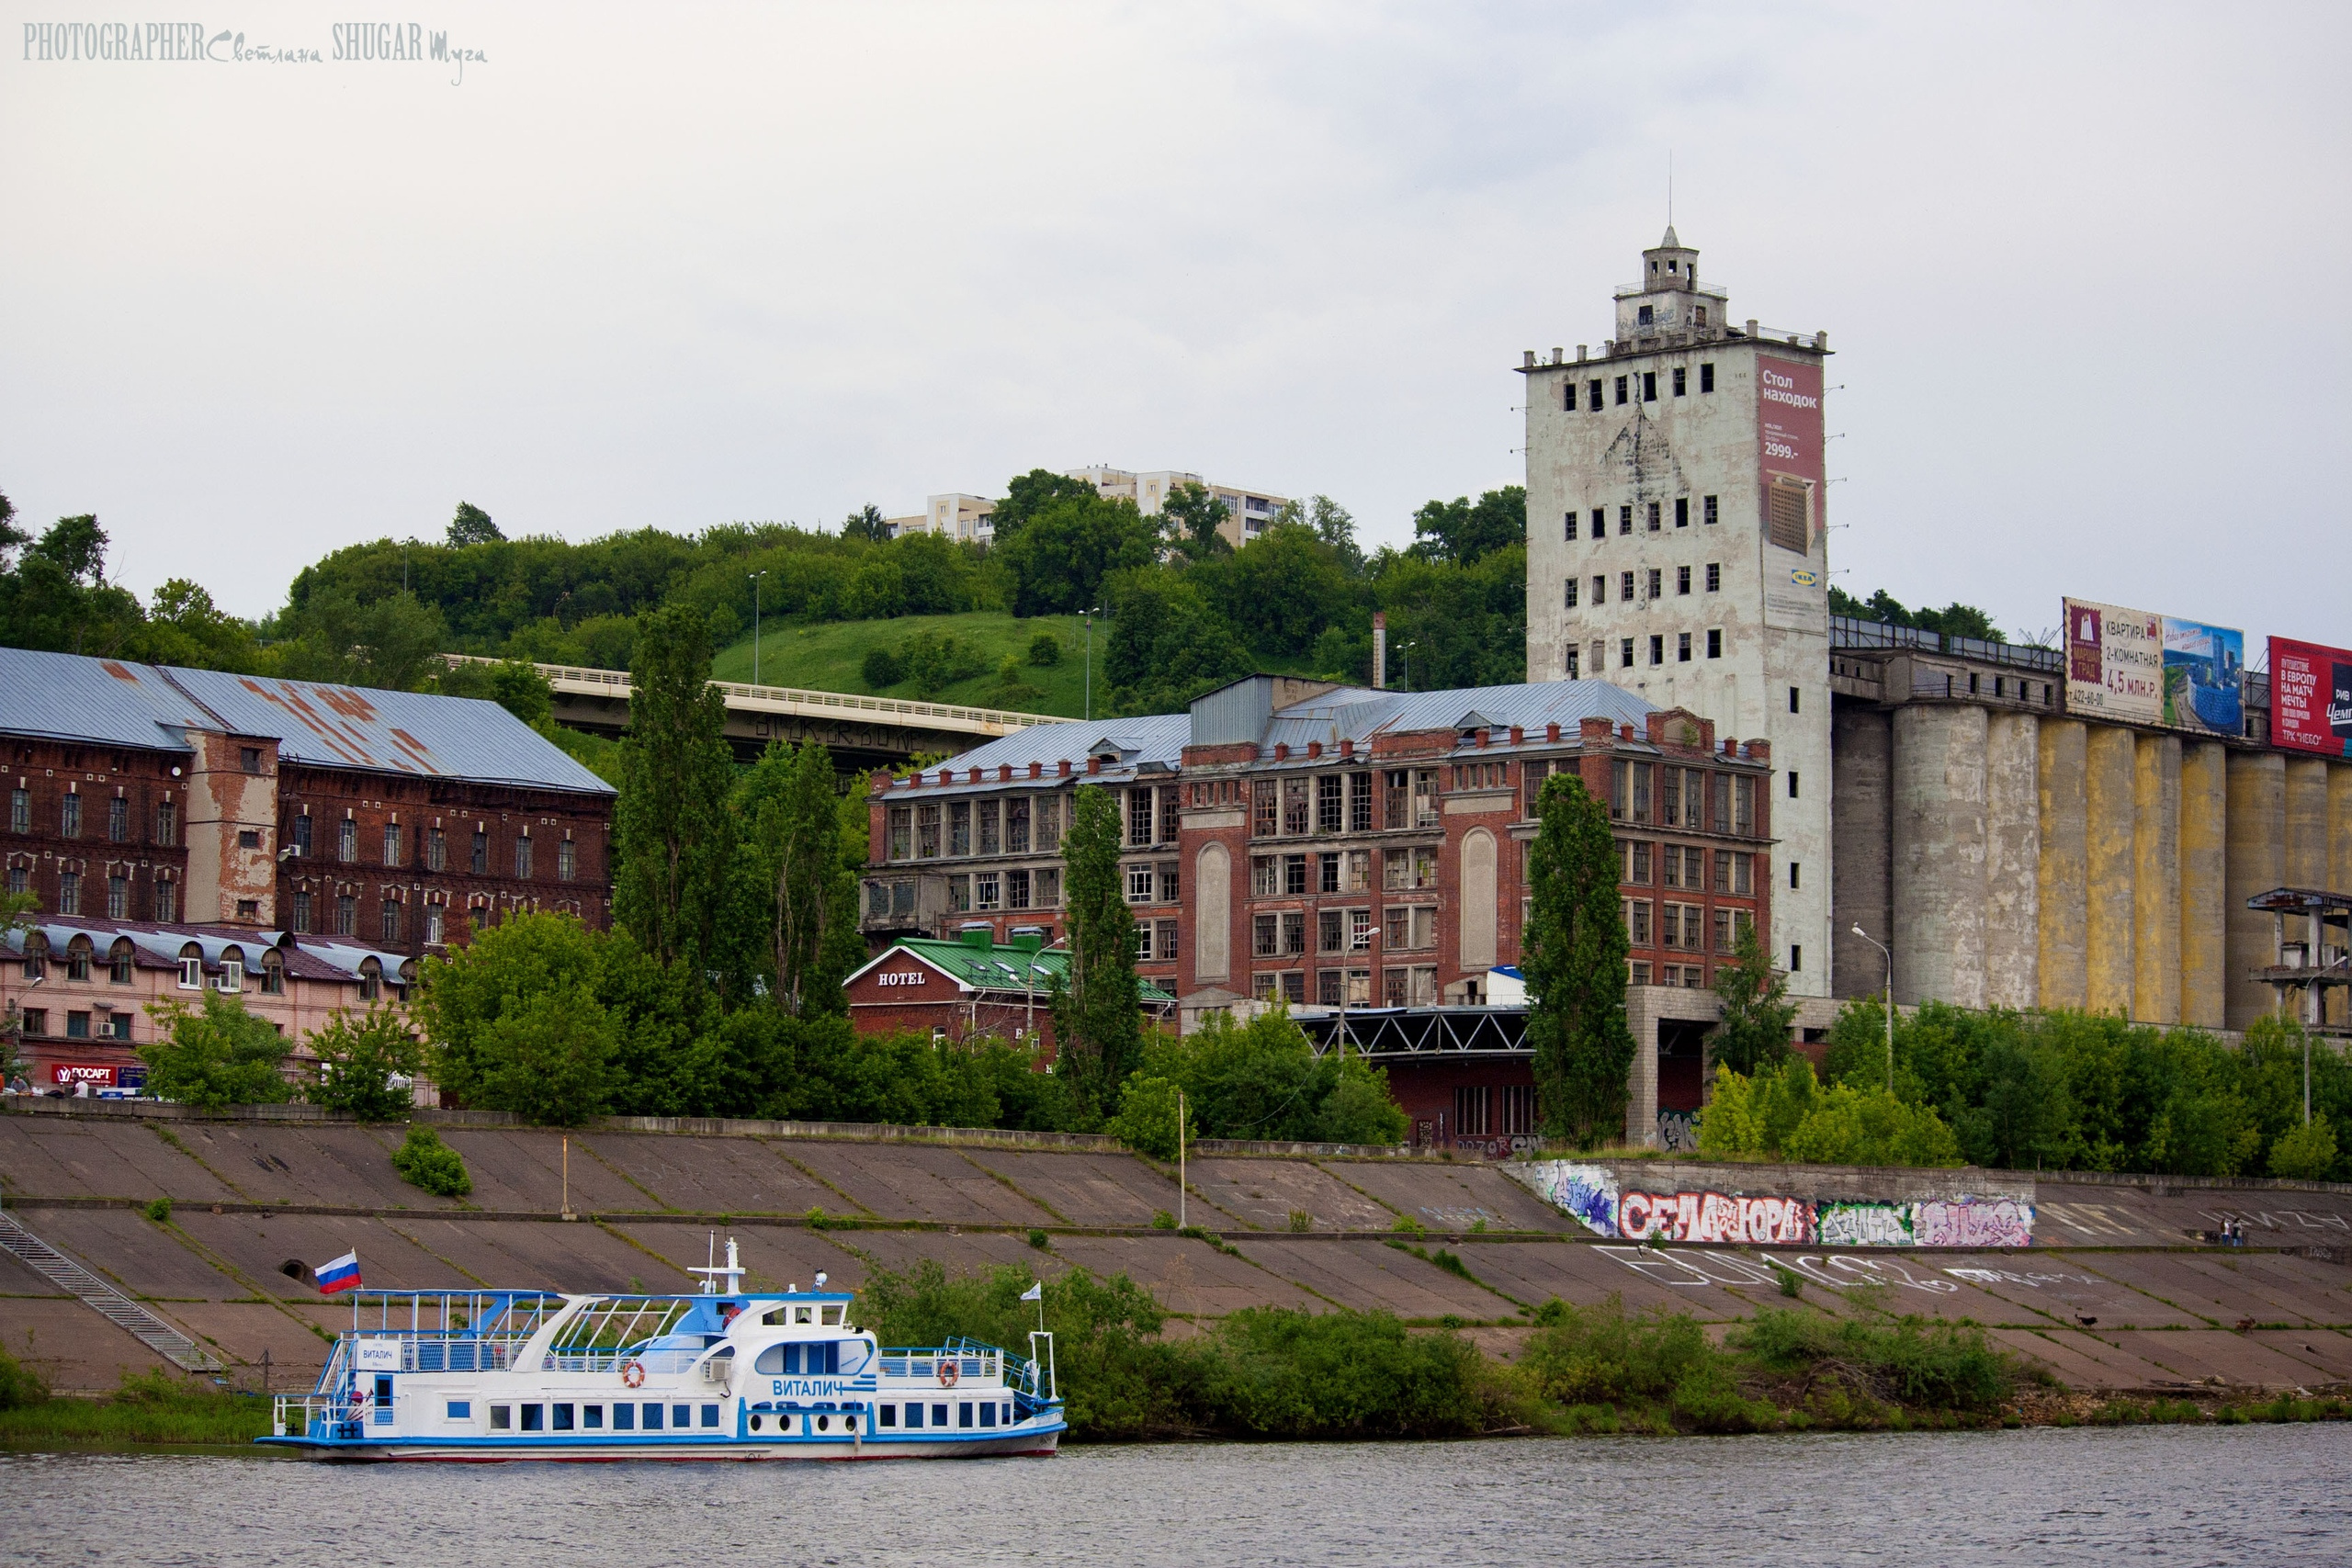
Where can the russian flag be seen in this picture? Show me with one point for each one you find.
(342, 1274)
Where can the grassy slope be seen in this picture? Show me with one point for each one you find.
(826, 657)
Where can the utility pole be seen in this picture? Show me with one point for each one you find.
(1088, 616)
(1890, 1002)
(1180, 1160)
(755, 624)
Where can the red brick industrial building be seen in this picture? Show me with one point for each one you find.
(397, 821)
(1324, 846)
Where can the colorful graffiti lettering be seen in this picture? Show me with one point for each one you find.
(1865, 1225)
(1586, 1193)
(1591, 1194)
(1973, 1222)
(1714, 1216)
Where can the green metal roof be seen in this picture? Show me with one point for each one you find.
(1002, 968)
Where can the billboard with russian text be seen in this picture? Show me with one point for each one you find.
(1788, 450)
(2311, 697)
(2137, 667)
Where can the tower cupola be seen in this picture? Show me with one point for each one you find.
(1668, 300)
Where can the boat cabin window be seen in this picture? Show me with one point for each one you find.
(682, 1417)
(562, 1417)
(502, 1418)
(534, 1417)
(461, 1410)
(592, 1417)
(652, 1418)
(832, 1316)
(890, 1415)
(914, 1415)
(821, 1360)
(710, 1415)
(624, 1417)
(800, 1314)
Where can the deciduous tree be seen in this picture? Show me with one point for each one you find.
(1752, 1032)
(215, 1055)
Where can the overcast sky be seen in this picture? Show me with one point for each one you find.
(681, 265)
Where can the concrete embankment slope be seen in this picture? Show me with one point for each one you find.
(2115, 1292)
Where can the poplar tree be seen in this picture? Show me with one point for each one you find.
(1098, 1016)
(808, 896)
(672, 834)
(1574, 958)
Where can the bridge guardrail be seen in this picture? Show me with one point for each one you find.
(794, 696)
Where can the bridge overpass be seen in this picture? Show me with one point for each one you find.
(862, 732)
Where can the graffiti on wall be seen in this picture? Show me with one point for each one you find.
(1677, 1131)
(1592, 1194)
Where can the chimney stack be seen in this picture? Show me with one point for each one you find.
(1380, 650)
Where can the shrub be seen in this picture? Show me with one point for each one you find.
(1300, 1220)
(881, 668)
(1038, 1239)
(159, 1210)
(424, 1161)
(20, 1387)
(1277, 1373)
(1045, 650)
(2304, 1154)
(1161, 1219)
(1146, 1118)
(1905, 1359)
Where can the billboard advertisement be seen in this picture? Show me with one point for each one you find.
(2311, 697)
(1788, 450)
(2136, 666)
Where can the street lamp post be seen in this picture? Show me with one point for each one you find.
(1890, 1002)
(1404, 652)
(755, 624)
(1088, 616)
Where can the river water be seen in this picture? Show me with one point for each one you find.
(2251, 1495)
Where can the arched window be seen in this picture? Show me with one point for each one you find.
(77, 959)
(191, 968)
(372, 980)
(119, 961)
(232, 969)
(36, 955)
(273, 974)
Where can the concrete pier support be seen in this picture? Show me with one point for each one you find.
(2257, 862)
(1938, 861)
(2111, 814)
(2155, 879)
(2339, 858)
(2204, 913)
(1862, 758)
(2012, 860)
(2063, 914)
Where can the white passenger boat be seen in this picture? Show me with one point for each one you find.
(727, 1374)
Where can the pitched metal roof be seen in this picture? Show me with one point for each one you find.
(106, 701)
(997, 967)
(110, 702)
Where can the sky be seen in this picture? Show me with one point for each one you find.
(684, 264)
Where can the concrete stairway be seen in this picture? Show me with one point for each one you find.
(102, 1298)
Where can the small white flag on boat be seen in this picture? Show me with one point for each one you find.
(1035, 1293)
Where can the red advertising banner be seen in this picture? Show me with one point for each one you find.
(2311, 697)
(1788, 450)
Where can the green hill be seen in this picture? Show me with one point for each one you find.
(830, 656)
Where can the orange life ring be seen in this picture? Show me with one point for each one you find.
(633, 1374)
(948, 1373)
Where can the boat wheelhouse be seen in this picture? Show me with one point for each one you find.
(484, 1375)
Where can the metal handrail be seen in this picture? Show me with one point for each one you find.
(791, 696)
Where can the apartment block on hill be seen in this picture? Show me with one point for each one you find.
(969, 519)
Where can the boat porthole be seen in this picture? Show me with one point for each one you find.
(755, 1423)
(824, 1423)
(849, 1423)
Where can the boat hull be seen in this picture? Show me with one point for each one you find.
(494, 1451)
